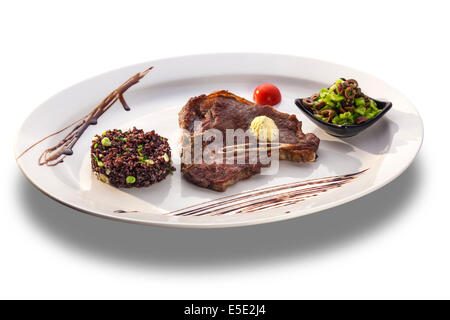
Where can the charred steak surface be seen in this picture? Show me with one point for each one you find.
(222, 110)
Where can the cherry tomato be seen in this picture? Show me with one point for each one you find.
(267, 94)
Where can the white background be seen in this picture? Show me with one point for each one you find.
(393, 243)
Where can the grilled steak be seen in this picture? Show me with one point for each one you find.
(222, 110)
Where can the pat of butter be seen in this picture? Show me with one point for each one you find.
(264, 129)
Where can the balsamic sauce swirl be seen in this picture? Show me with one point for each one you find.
(267, 197)
(278, 196)
(56, 154)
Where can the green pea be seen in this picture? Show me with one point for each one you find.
(131, 179)
(106, 142)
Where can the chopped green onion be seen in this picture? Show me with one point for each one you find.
(360, 110)
(373, 104)
(360, 102)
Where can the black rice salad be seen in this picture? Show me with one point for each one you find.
(132, 158)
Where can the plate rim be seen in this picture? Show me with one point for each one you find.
(295, 213)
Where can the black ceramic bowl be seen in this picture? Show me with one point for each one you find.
(345, 130)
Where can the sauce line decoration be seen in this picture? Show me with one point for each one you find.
(260, 199)
(56, 154)
(266, 198)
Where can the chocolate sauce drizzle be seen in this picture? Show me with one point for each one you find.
(56, 154)
(124, 211)
(268, 197)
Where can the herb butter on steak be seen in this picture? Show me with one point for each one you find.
(223, 110)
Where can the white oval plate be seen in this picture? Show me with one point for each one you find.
(386, 149)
